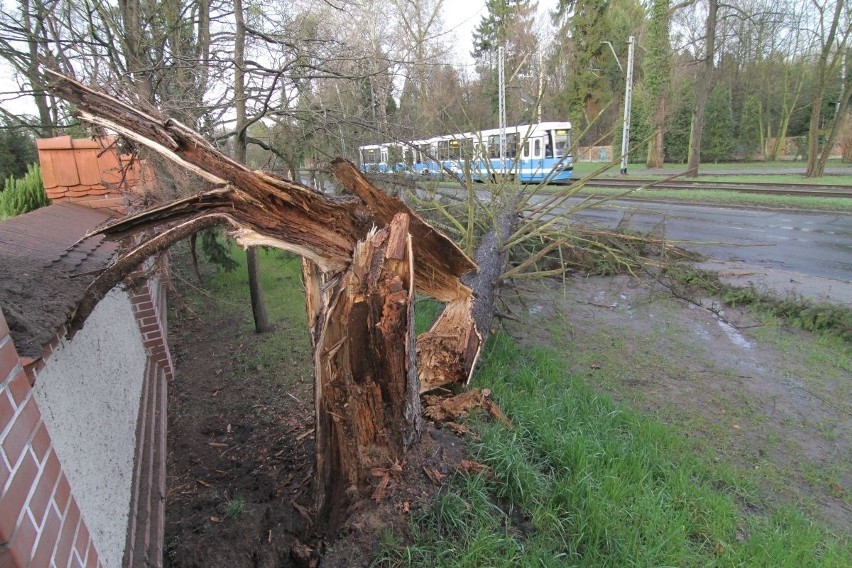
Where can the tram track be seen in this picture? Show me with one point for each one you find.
(796, 189)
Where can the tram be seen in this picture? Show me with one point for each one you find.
(533, 153)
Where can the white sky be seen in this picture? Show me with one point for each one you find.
(462, 16)
(460, 20)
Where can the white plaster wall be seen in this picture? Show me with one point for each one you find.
(89, 394)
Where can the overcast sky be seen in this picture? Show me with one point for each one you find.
(462, 16)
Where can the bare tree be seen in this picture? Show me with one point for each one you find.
(833, 37)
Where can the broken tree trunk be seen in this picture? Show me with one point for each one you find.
(359, 284)
(366, 390)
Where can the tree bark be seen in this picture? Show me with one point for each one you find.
(359, 284)
(702, 91)
(815, 168)
(366, 389)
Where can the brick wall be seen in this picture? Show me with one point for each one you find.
(40, 522)
(147, 516)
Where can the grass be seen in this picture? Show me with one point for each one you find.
(234, 508)
(721, 197)
(783, 173)
(822, 318)
(227, 292)
(581, 481)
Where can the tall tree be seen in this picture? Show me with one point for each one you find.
(258, 304)
(833, 46)
(702, 88)
(657, 68)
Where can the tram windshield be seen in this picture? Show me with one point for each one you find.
(370, 156)
(561, 142)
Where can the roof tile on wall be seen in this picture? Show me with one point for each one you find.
(87, 166)
(58, 143)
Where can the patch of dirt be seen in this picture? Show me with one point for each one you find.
(707, 371)
(239, 434)
(241, 454)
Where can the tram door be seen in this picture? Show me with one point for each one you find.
(537, 156)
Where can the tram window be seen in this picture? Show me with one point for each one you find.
(494, 146)
(537, 149)
(455, 150)
(512, 145)
(527, 149)
(562, 142)
(370, 155)
(423, 152)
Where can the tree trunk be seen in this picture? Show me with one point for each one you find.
(839, 115)
(359, 285)
(656, 153)
(816, 166)
(367, 395)
(258, 303)
(258, 306)
(702, 91)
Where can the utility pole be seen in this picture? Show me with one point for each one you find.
(628, 99)
(540, 82)
(501, 77)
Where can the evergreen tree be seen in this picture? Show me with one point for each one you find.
(657, 67)
(717, 140)
(17, 149)
(749, 137)
(676, 140)
(493, 30)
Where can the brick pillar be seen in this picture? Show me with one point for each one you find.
(40, 522)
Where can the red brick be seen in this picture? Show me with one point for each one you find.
(4, 474)
(19, 388)
(22, 546)
(150, 330)
(76, 561)
(6, 559)
(22, 428)
(41, 442)
(143, 315)
(82, 542)
(44, 489)
(92, 556)
(15, 497)
(7, 409)
(68, 534)
(8, 358)
(142, 302)
(63, 492)
(47, 540)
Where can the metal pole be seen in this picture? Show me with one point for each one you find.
(541, 82)
(628, 98)
(501, 73)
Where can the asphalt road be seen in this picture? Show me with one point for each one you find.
(812, 244)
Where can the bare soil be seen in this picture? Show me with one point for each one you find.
(768, 400)
(244, 435)
(241, 452)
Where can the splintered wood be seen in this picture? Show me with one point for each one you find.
(451, 409)
(367, 404)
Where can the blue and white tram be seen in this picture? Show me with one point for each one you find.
(533, 153)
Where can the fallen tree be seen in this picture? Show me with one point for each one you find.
(364, 254)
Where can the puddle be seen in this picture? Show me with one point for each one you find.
(734, 335)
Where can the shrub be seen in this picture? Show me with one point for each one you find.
(23, 194)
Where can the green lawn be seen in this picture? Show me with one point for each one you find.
(581, 481)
